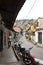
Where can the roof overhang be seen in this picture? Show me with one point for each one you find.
(9, 10)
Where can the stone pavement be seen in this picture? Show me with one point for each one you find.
(7, 56)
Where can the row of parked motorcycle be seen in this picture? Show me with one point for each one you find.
(24, 54)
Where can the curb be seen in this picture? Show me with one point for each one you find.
(37, 44)
(17, 56)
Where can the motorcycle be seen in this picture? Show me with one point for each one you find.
(27, 58)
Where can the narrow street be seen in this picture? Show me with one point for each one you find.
(7, 57)
(36, 51)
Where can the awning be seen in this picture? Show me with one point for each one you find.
(9, 10)
(17, 29)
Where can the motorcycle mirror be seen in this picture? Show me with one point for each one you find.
(30, 48)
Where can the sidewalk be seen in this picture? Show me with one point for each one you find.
(7, 56)
(37, 44)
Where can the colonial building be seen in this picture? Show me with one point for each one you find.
(39, 31)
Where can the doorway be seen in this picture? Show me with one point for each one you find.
(40, 37)
(1, 40)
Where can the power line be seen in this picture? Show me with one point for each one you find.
(31, 8)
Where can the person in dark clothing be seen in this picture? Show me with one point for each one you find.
(9, 42)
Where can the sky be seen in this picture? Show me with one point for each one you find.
(32, 9)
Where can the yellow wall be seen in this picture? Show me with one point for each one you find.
(38, 22)
(32, 28)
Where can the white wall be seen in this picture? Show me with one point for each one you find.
(42, 36)
(36, 36)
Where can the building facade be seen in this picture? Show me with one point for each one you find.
(39, 31)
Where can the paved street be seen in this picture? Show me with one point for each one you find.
(7, 56)
(38, 52)
(11, 63)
